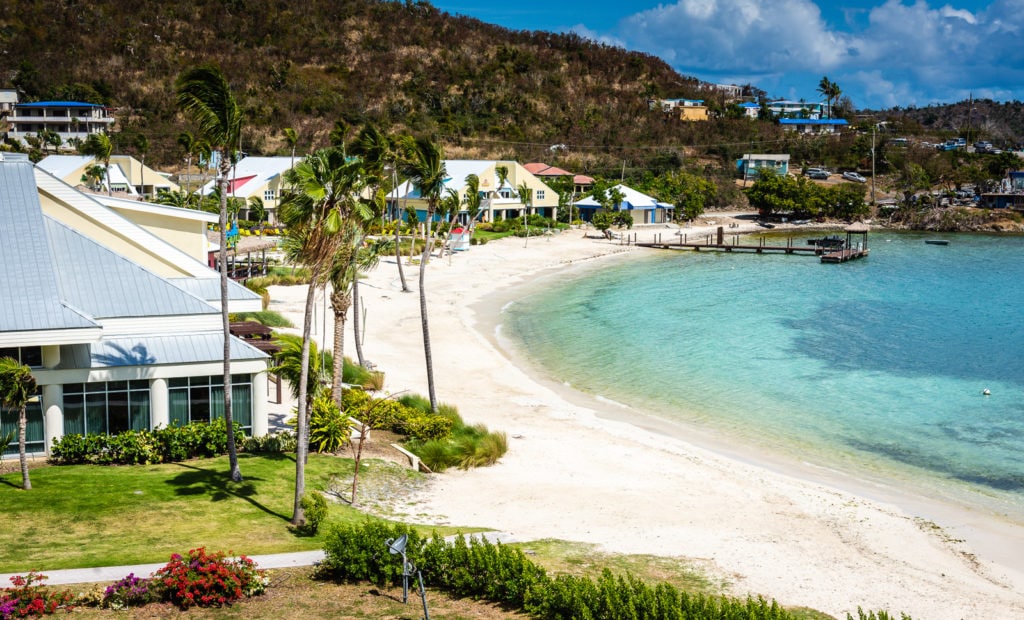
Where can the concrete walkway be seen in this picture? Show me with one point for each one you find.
(275, 560)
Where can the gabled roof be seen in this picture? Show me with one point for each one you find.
(251, 174)
(61, 166)
(28, 268)
(59, 104)
(104, 284)
(543, 170)
(631, 199)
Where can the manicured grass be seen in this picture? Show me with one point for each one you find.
(88, 515)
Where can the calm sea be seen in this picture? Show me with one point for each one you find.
(875, 367)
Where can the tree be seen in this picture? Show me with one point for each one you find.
(378, 153)
(423, 163)
(343, 273)
(98, 145)
(17, 387)
(472, 199)
(313, 213)
(93, 176)
(291, 138)
(526, 196)
(204, 94)
(367, 258)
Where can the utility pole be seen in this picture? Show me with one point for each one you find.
(873, 127)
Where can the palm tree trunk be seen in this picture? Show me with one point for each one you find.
(356, 320)
(302, 426)
(26, 484)
(423, 321)
(236, 473)
(340, 303)
(398, 256)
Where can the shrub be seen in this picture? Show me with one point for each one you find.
(28, 597)
(328, 428)
(314, 507)
(277, 442)
(425, 427)
(161, 445)
(208, 580)
(131, 591)
(357, 552)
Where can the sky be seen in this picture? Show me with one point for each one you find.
(881, 53)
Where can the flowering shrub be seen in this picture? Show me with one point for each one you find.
(27, 597)
(131, 591)
(208, 580)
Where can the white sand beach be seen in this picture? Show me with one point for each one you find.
(577, 469)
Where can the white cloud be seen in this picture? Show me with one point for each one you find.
(737, 35)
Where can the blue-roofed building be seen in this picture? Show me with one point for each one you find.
(813, 125)
(68, 119)
(121, 329)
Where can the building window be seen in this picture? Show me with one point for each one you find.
(35, 438)
(106, 408)
(540, 194)
(201, 399)
(268, 194)
(29, 356)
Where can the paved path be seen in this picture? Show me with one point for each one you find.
(275, 560)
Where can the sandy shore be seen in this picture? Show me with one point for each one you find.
(577, 469)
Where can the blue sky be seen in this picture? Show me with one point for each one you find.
(881, 53)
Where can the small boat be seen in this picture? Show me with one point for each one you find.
(936, 241)
(830, 241)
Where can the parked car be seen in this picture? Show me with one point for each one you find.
(816, 173)
(853, 176)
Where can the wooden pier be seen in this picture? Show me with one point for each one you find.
(718, 243)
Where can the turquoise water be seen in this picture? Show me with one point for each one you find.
(875, 366)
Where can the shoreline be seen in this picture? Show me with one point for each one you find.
(579, 469)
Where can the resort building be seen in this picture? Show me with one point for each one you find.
(71, 120)
(581, 183)
(643, 208)
(121, 327)
(752, 164)
(128, 176)
(750, 109)
(796, 109)
(813, 126)
(500, 199)
(256, 177)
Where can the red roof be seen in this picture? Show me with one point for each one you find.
(234, 184)
(582, 179)
(544, 170)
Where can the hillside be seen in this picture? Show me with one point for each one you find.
(402, 65)
(981, 119)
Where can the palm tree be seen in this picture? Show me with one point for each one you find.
(313, 214)
(188, 144)
(291, 137)
(378, 153)
(472, 200)
(343, 273)
(423, 163)
(257, 209)
(142, 144)
(526, 196)
(367, 258)
(831, 91)
(17, 387)
(93, 176)
(98, 145)
(204, 94)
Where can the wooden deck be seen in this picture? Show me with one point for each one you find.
(720, 243)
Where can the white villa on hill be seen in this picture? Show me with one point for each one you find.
(120, 324)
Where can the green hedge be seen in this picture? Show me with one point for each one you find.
(163, 445)
(504, 575)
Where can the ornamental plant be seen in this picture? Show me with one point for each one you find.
(131, 591)
(208, 580)
(28, 597)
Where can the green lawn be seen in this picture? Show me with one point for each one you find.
(86, 515)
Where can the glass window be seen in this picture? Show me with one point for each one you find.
(106, 408)
(34, 430)
(268, 194)
(201, 399)
(29, 356)
(540, 194)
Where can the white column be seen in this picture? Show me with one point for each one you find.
(260, 421)
(160, 412)
(51, 356)
(53, 414)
